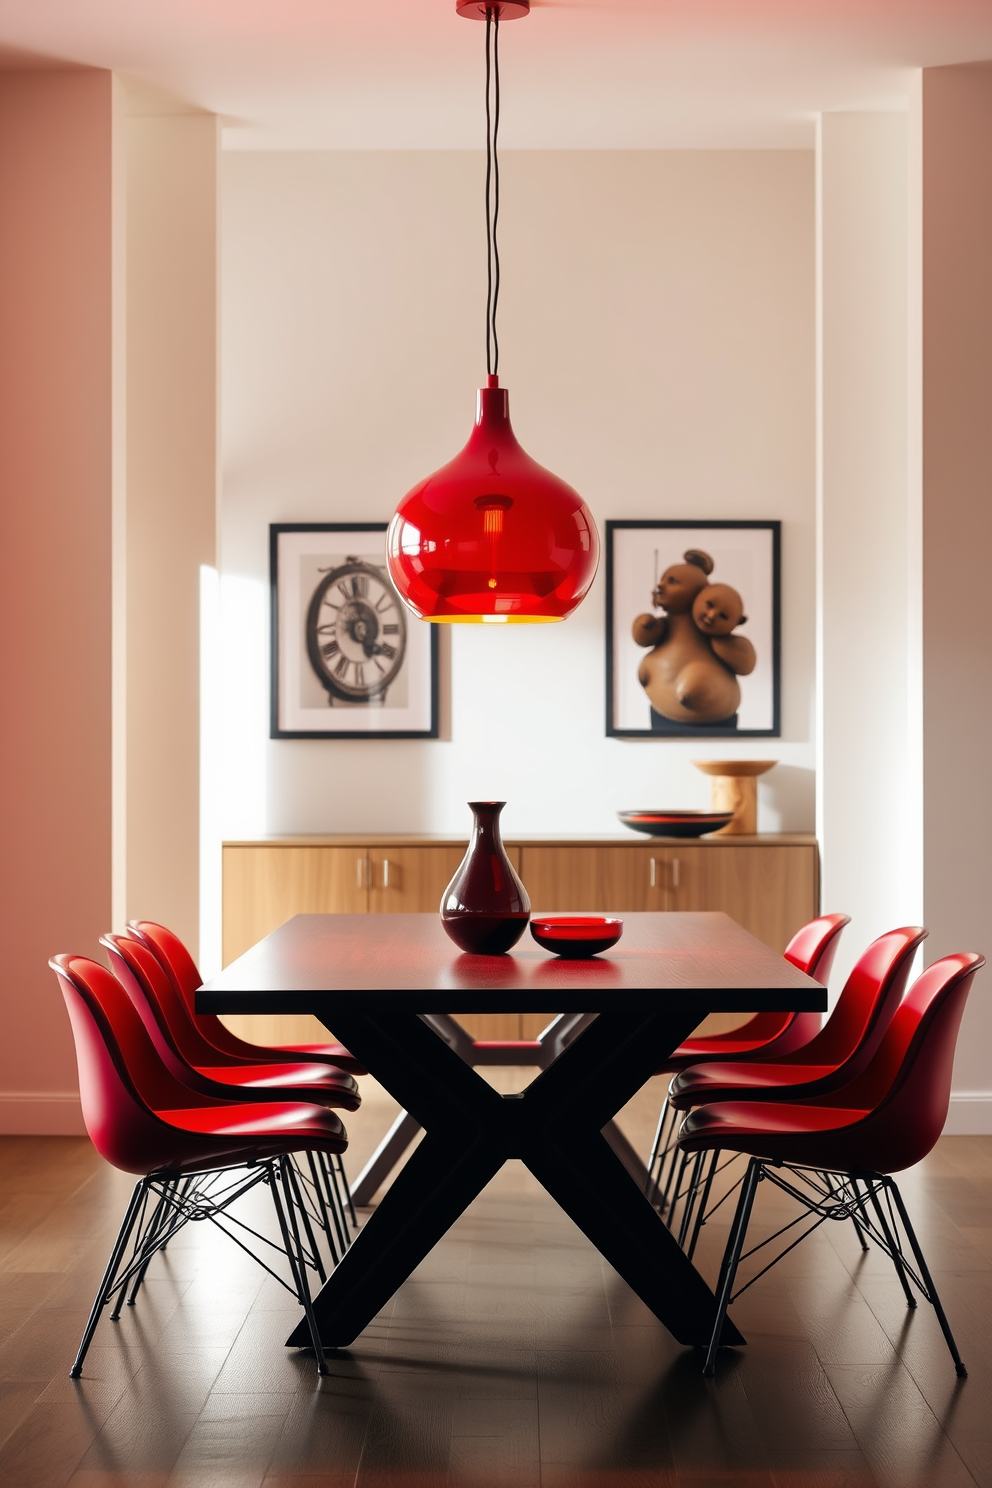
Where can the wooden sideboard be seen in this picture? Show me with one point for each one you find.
(769, 884)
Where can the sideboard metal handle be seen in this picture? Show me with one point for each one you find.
(385, 873)
(676, 872)
(654, 872)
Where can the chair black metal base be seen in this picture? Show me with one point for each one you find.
(834, 1196)
(555, 1127)
(161, 1204)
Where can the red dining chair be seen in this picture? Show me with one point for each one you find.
(832, 1058)
(181, 969)
(836, 1152)
(196, 1156)
(766, 1035)
(196, 1064)
(195, 1061)
(177, 962)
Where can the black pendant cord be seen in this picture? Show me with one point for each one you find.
(492, 188)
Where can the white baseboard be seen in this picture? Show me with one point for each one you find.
(41, 1113)
(970, 1114)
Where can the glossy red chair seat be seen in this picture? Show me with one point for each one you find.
(884, 1120)
(832, 1058)
(193, 1061)
(812, 950)
(180, 967)
(835, 1055)
(184, 1144)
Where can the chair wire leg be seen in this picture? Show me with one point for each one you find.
(325, 1219)
(280, 1170)
(347, 1190)
(704, 1200)
(892, 1241)
(692, 1194)
(859, 1200)
(678, 1190)
(160, 1216)
(670, 1188)
(945, 1326)
(103, 1291)
(297, 1205)
(657, 1158)
(669, 1154)
(142, 1227)
(337, 1207)
(731, 1259)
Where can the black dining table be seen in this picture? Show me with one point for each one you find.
(372, 980)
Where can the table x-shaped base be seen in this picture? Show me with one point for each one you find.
(554, 1127)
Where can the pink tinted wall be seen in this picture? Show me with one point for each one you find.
(957, 538)
(56, 403)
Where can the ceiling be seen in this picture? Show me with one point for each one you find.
(407, 74)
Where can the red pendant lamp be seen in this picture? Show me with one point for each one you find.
(492, 536)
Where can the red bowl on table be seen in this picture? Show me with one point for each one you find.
(576, 937)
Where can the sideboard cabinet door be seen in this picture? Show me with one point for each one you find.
(592, 879)
(772, 891)
(410, 880)
(265, 886)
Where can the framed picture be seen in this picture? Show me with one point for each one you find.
(349, 661)
(692, 630)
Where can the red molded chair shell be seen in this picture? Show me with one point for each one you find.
(835, 1055)
(179, 966)
(812, 949)
(884, 1120)
(142, 1120)
(193, 1062)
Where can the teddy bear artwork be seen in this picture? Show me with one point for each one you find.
(695, 656)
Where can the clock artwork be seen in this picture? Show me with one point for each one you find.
(347, 660)
(356, 632)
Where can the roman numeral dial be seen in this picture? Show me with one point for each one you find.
(356, 633)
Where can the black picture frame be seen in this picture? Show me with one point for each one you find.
(751, 548)
(311, 564)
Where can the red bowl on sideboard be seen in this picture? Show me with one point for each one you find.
(676, 823)
(576, 937)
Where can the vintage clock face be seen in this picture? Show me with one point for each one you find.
(356, 632)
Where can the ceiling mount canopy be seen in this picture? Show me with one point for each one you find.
(508, 10)
(492, 537)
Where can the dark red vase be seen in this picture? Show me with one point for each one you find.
(485, 907)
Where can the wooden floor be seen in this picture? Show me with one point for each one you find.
(513, 1356)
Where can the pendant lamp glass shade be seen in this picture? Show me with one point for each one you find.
(492, 536)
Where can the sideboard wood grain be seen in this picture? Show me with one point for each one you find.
(769, 884)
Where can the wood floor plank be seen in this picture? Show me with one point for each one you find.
(324, 1429)
(513, 1355)
(409, 1433)
(46, 1447)
(900, 1436)
(17, 1400)
(824, 1470)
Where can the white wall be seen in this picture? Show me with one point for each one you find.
(904, 216)
(657, 333)
(869, 817)
(171, 516)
